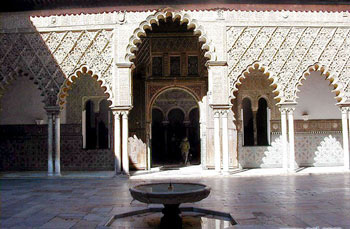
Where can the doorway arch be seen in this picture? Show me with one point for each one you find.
(181, 119)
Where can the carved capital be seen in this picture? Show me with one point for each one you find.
(124, 114)
(224, 113)
(287, 108)
(344, 109)
(217, 113)
(116, 113)
(52, 110)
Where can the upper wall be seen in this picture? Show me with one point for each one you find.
(285, 43)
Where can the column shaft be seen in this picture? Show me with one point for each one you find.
(50, 144)
(57, 144)
(217, 140)
(292, 163)
(284, 138)
(345, 138)
(125, 143)
(225, 141)
(117, 148)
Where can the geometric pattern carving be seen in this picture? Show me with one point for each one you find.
(27, 54)
(319, 149)
(288, 52)
(74, 50)
(51, 57)
(261, 156)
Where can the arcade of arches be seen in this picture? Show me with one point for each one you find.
(121, 96)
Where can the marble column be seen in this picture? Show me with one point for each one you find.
(50, 144)
(57, 145)
(292, 162)
(217, 140)
(225, 140)
(284, 137)
(125, 136)
(117, 143)
(345, 130)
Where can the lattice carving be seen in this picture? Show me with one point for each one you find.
(50, 58)
(26, 54)
(288, 52)
(74, 50)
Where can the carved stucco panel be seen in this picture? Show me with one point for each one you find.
(26, 54)
(73, 49)
(287, 52)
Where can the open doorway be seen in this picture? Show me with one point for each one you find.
(175, 116)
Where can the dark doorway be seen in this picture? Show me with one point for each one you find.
(248, 123)
(175, 115)
(261, 123)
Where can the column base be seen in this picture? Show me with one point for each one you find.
(58, 174)
(225, 172)
(50, 174)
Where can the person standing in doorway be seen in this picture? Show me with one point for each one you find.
(185, 149)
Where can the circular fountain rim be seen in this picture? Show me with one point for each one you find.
(172, 197)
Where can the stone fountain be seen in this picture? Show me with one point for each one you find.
(171, 195)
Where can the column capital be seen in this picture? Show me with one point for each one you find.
(217, 113)
(116, 112)
(120, 110)
(52, 110)
(344, 109)
(224, 113)
(124, 114)
(287, 107)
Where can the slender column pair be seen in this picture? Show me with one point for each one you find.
(53, 117)
(221, 114)
(121, 134)
(345, 111)
(289, 162)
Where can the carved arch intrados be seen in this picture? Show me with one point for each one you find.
(67, 85)
(332, 78)
(165, 89)
(260, 67)
(15, 75)
(176, 108)
(139, 32)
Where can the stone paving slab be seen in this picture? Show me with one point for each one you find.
(255, 202)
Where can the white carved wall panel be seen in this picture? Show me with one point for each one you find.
(261, 156)
(287, 53)
(319, 149)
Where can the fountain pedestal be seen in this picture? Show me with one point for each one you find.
(171, 218)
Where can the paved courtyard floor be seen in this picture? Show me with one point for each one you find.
(271, 201)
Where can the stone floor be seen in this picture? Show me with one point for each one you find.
(254, 201)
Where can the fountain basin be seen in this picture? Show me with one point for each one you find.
(164, 193)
